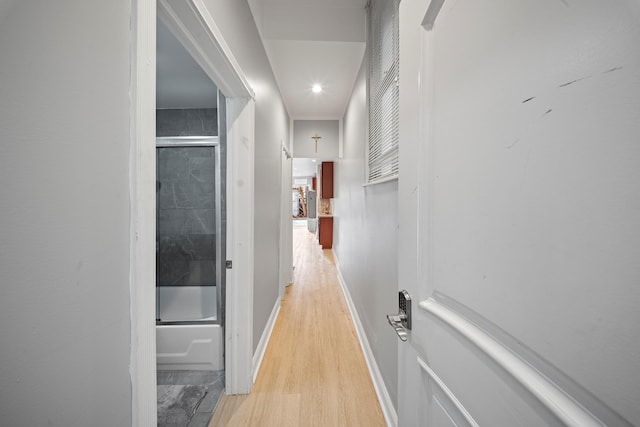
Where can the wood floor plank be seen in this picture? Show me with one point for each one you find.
(313, 372)
(227, 407)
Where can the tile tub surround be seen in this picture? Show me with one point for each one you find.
(187, 122)
(213, 380)
(186, 216)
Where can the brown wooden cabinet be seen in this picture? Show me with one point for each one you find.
(326, 187)
(325, 231)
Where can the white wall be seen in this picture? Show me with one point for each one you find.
(365, 239)
(64, 213)
(238, 28)
(305, 147)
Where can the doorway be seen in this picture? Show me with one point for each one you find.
(304, 197)
(193, 26)
(190, 237)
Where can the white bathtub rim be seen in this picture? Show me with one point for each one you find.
(190, 347)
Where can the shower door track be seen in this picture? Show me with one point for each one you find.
(187, 141)
(186, 322)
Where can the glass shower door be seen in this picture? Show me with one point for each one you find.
(188, 230)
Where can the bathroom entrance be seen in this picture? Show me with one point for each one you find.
(191, 213)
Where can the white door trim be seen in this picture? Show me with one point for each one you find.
(142, 224)
(191, 23)
(285, 275)
(240, 214)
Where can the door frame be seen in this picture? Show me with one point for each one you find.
(285, 272)
(195, 28)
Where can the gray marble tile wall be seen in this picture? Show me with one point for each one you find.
(187, 122)
(186, 216)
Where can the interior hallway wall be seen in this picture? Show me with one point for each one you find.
(327, 147)
(64, 213)
(365, 238)
(235, 21)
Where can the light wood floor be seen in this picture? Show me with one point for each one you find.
(313, 372)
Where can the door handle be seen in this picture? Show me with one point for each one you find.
(401, 322)
(396, 322)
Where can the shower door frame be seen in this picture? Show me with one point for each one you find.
(200, 141)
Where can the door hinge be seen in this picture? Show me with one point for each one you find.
(228, 264)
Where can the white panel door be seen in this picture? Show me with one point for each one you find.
(526, 303)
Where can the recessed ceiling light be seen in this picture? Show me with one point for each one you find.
(313, 160)
(316, 89)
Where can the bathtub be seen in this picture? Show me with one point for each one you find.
(193, 340)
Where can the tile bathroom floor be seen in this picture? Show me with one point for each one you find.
(214, 380)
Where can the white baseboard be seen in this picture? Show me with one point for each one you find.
(388, 410)
(264, 340)
(335, 259)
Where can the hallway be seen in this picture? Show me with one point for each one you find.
(313, 372)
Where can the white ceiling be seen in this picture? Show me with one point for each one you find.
(307, 42)
(313, 42)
